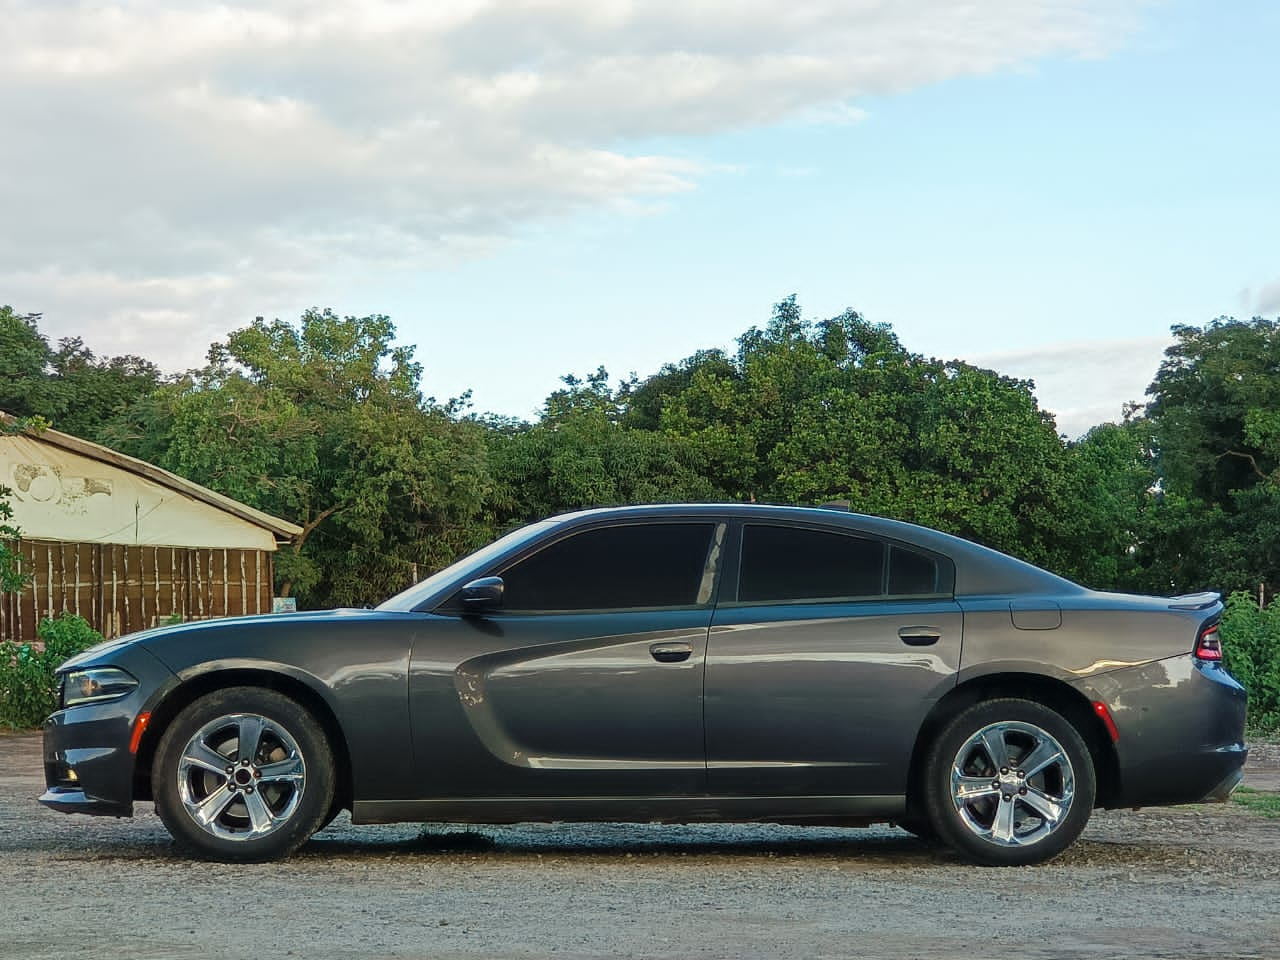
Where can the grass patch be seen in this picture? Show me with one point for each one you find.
(1258, 801)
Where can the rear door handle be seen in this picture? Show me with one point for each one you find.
(671, 652)
(919, 636)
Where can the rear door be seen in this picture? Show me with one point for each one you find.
(827, 649)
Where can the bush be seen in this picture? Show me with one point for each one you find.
(28, 693)
(1251, 652)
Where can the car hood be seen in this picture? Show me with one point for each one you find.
(199, 630)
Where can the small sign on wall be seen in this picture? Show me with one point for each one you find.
(284, 604)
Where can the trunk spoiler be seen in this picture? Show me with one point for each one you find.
(1195, 601)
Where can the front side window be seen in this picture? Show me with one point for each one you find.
(624, 567)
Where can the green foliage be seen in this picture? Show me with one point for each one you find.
(28, 692)
(1261, 802)
(24, 355)
(1251, 654)
(68, 386)
(839, 410)
(322, 423)
(581, 455)
(1216, 431)
(12, 576)
(1116, 484)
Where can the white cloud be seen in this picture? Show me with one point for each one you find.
(1267, 300)
(173, 168)
(1083, 383)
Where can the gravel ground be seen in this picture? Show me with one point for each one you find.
(1170, 883)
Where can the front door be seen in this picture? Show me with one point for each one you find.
(586, 682)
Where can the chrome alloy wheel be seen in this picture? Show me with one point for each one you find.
(1012, 783)
(241, 777)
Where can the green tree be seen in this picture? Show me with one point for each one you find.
(580, 454)
(1121, 505)
(89, 391)
(322, 423)
(24, 361)
(69, 387)
(1215, 416)
(839, 410)
(12, 577)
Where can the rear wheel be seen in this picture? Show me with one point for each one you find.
(920, 828)
(1009, 782)
(243, 774)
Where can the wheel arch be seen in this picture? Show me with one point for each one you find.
(190, 690)
(1048, 691)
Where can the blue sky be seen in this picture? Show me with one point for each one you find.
(1047, 203)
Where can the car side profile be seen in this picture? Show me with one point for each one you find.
(674, 663)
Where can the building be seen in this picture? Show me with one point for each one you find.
(125, 544)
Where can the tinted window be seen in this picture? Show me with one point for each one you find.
(639, 565)
(912, 573)
(791, 563)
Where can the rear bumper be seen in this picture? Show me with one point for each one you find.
(1181, 726)
(1189, 778)
(1222, 792)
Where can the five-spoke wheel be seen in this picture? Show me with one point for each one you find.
(243, 774)
(1009, 782)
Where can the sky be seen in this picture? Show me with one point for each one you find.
(532, 188)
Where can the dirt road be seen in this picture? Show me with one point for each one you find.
(1185, 882)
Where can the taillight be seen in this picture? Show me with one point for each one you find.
(1209, 644)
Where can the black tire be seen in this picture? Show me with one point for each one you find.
(1023, 807)
(920, 828)
(220, 805)
(335, 808)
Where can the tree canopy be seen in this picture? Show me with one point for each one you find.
(1215, 423)
(324, 422)
(68, 385)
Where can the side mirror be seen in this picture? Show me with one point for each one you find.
(481, 595)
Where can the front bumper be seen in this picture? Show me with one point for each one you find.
(88, 764)
(70, 800)
(88, 767)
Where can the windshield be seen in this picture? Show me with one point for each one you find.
(464, 569)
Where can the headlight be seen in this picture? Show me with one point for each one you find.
(94, 684)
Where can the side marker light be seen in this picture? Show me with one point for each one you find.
(1104, 714)
(139, 725)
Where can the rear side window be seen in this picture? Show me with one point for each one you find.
(912, 574)
(782, 564)
(623, 567)
(794, 564)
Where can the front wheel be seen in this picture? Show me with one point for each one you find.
(243, 774)
(1009, 782)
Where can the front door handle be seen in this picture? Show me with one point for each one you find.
(919, 636)
(671, 652)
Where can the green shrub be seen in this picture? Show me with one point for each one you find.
(27, 690)
(1251, 652)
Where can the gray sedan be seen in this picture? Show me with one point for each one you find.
(673, 664)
